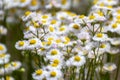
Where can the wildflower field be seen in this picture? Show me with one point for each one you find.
(59, 39)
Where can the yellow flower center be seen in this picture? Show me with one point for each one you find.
(7, 65)
(54, 65)
(49, 43)
(102, 4)
(53, 22)
(53, 74)
(50, 38)
(75, 26)
(77, 58)
(109, 0)
(91, 17)
(51, 29)
(54, 52)
(2, 55)
(81, 16)
(1, 47)
(34, 2)
(100, 13)
(109, 7)
(118, 11)
(118, 17)
(32, 41)
(95, 1)
(110, 67)
(61, 28)
(22, 1)
(63, 2)
(44, 17)
(56, 61)
(21, 43)
(42, 49)
(114, 25)
(100, 35)
(39, 72)
(14, 64)
(27, 13)
(7, 77)
(102, 46)
(58, 41)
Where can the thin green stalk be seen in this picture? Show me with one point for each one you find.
(118, 68)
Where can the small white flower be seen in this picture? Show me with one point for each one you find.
(34, 43)
(100, 37)
(39, 74)
(76, 60)
(4, 58)
(54, 75)
(15, 65)
(109, 67)
(21, 45)
(2, 48)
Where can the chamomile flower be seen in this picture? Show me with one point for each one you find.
(4, 58)
(113, 50)
(114, 27)
(54, 75)
(104, 47)
(51, 29)
(21, 45)
(34, 43)
(76, 60)
(24, 3)
(109, 67)
(15, 65)
(115, 41)
(62, 29)
(53, 53)
(7, 78)
(100, 37)
(75, 27)
(2, 48)
(34, 5)
(80, 19)
(39, 74)
(3, 30)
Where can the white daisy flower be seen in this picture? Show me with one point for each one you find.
(7, 78)
(34, 43)
(21, 45)
(54, 75)
(39, 74)
(75, 27)
(76, 60)
(2, 48)
(24, 3)
(34, 5)
(16, 65)
(114, 27)
(115, 41)
(62, 29)
(100, 37)
(109, 67)
(3, 30)
(53, 53)
(4, 58)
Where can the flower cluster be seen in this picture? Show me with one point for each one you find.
(70, 46)
(7, 66)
